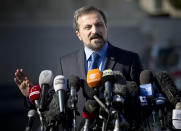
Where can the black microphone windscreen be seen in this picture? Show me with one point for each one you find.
(132, 88)
(146, 77)
(108, 75)
(89, 92)
(53, 112)
(74, 81)
(108, 78)
(120, 84)
(91, 106)
(167, 86)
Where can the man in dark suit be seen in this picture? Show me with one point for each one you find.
(91, 28)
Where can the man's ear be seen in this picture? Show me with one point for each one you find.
(78, 35)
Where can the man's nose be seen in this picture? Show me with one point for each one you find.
(94, 29)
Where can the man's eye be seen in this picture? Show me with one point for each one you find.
(87, 27)
(99, 24)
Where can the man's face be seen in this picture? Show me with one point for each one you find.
(92, 30)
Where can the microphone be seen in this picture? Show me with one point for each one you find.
(120, 84)
(60, 86)
(168, 87)
(34, 95)
(53, 116)
(146, 95)
(45, 82)
(146, 88)
(176, 116)
(74, 85)
(119, 98)
(108, 80)
(119, 90)
(153, 95)
(94, 78)
(146, 77)
(93, 83)
(146, 80)
(89, 114)
(91, 107)
(31, 115)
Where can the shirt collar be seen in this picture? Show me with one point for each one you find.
(88, 52)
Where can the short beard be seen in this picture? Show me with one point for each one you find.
(96, 47)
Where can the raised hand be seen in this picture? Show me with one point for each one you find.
(22, 81)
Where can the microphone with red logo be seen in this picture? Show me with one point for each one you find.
(34, 95)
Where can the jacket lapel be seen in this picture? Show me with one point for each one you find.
(81, 62)
(110, 58)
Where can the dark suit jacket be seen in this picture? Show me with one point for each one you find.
(117, 59)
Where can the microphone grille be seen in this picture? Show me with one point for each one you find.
(31, 113)
(178, 105)
(74, 81)
(46, 77)
(94, 78)
(60, 83)
(89, 92)
(146, 77)
(120, 84)
(91, 106)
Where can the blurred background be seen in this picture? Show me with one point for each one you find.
(35, 33)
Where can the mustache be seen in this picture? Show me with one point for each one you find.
(96, 36)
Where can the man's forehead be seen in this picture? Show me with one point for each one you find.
(85, 17)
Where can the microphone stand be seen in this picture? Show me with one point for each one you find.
(40, 115)
(53, 126)
(160, 103)
(74, 120)
(105, 121)
(73, 107)
(120, 122)
(116, 124)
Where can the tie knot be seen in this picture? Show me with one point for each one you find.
(95, 56)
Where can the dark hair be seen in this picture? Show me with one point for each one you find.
(86, 10)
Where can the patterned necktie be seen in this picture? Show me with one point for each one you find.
(94, 61)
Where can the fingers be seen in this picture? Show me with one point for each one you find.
(27, 83)
(20, 75)
(18, 83)
(25, 88)
(22, 81)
